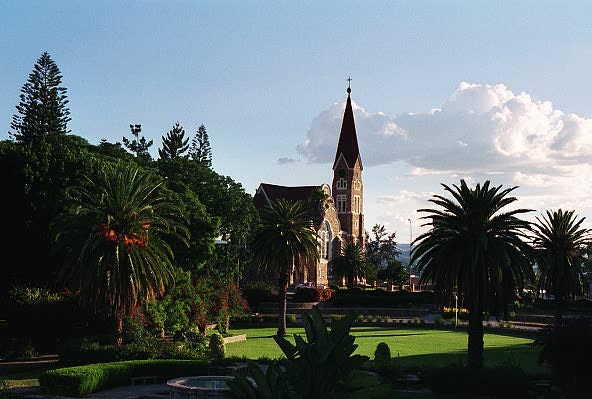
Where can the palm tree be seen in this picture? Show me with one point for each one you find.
(476, 247)
(560, 243)
(351, 263)
(116, 240)
(284, 236)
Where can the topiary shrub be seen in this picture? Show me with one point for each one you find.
(382, 357)
(291, 319)
(217, 348)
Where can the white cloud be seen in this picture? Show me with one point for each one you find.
(481, 132)
(479, 128)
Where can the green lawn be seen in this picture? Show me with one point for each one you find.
(412, 347)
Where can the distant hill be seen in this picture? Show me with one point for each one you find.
(404, 257)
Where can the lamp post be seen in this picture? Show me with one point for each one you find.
(455, 310)
(410, 241)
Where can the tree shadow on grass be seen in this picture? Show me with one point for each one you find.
(356, 330)
(385, 335)
(523, 356)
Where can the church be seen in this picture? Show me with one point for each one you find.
(341, 214)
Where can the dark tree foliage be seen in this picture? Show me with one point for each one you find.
(139, 145)
(476, 247)
(174, 144)
(42, 113)
(382, 252)
(38, 182)
(200, 147)
(560, 244)
(567, 349)
(231, 215)
(113, 150)
(351, 264)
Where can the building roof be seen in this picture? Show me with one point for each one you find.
(272, 192)
(348, 139)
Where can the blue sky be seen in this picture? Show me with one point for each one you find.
(443, 89)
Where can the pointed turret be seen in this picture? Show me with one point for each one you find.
(347, 188)
(348, 139)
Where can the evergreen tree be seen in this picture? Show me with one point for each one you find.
(174, 144)
(200, 147)
(42, 114)
(139, 145)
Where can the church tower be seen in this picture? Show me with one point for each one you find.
(347, 188)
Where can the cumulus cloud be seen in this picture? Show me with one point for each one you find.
(479, 128)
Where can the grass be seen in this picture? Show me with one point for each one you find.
(413, 348)
(25, 379)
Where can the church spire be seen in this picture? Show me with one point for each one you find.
(348, 139)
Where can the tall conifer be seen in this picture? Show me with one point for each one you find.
(174, 144)
(200, 147)
(42, 113)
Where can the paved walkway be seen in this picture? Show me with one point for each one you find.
(148, 391)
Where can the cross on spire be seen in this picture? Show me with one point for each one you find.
(349, 79)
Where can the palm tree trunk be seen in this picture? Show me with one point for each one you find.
(558, 310)
(282, 288)
(350, 280)
(475, 355)
(119, 333)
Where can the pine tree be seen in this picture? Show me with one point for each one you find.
(139, 145)
(174, 144)
(42, 114)
(200, 147)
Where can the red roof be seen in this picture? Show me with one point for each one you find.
(348, 139)
(274, 192)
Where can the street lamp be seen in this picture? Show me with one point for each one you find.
(455, 310)
(410, 241)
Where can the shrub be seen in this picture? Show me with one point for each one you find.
(380, 298)
(217, 348)
(257, 292)
(84, 380)
(568, 350)
(470, 381)
(382, 357)
(312, 295)
(87, 352)
(448, 313)
(317, 366)
(291, 319)
(439, 320)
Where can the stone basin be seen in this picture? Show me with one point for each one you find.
(200, 387)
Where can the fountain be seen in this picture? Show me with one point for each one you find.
(202, 387)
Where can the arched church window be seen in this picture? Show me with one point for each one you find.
(325, 237)
(341, 184)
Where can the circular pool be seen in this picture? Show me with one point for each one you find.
(211, 386)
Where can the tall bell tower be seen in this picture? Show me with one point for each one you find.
(347, 188)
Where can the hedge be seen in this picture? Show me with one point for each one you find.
(84, 380)
(381, 299)
(312, 295)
